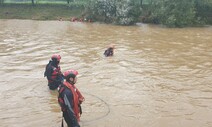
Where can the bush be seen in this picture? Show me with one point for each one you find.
(122, 12)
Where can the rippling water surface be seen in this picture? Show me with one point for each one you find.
(158, 77)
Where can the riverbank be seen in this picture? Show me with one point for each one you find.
(39, 12)
(56, 12)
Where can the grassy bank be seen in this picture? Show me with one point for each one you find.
(39, 11)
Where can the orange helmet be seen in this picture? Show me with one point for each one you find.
(70, 73)
(56, 56)
(111, 46)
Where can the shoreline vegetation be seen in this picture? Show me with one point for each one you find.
(175, 14)
(39, 12)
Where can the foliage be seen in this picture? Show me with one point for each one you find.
(174, 13)
(103, 10)
(122, 12)
(127, 13)
(204, 10)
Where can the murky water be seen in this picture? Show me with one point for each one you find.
(158, 77)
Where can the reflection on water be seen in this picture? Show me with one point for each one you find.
(158, 77)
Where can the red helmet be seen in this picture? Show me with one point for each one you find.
(56, 56)
(70, 73)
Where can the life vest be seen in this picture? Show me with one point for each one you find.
(77, 99)
(56, 72)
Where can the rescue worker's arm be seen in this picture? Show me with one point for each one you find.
(49, 73)
(69, 105)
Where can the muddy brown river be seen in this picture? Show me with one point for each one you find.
(158, 77)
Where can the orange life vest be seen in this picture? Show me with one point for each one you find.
(77, 99)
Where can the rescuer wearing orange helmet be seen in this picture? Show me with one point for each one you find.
(70, 99)
(53, 72)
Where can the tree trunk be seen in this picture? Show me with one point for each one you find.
(33, 2)
(141, 3)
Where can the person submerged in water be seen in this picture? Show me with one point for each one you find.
(109, 51)
(53, 72)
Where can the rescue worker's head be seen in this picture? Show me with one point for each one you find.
(71, 76)
(56, 59)
(112, 46)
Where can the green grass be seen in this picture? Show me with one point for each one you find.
(40, 11)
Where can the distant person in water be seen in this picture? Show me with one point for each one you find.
(109, 51)
(53, 72)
